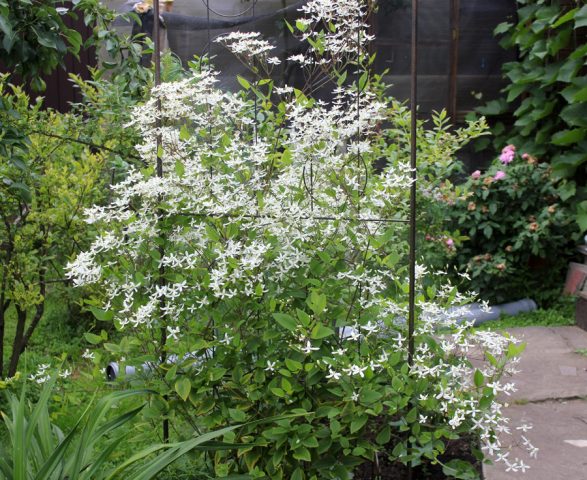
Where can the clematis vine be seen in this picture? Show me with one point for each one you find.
(272, 255)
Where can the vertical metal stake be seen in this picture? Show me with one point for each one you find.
(159, 166)
(413, 164)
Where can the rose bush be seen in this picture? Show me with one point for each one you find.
(515, 234)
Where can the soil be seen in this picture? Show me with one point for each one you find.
(460, 449)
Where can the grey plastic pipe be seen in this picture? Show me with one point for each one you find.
(112, 370)
(494, 312)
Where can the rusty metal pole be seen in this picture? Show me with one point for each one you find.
(413, 210)
(413, 164)
(455, 8)
(159, 171)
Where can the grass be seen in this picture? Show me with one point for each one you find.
(562, 313)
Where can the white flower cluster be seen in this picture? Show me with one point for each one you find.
(42, 374)
(347, 32)
(248, 45)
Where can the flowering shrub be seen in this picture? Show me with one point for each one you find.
(263, 271)
(517, 230)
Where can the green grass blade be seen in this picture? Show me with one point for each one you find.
(39, 411)
(57, 456)
(157, 465)
(92, 472)
(19, 438)
(90, 431)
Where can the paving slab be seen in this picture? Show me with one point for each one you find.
(551, 396)
(550, 366)
(559, 432)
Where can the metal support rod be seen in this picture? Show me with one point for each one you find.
(159, 167)
(413, 164)
(455, 8)
(413, 209)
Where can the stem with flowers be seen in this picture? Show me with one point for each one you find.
(285, 260)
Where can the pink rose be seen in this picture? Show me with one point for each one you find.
(450, 242)
(499, 175)
(475, 175)
(507, 154)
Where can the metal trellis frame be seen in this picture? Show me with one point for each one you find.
(309, 185)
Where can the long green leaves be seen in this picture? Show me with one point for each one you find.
(39, 450)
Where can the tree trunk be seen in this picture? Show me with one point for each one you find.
(2, 315)
(16, 343)
(21, 339)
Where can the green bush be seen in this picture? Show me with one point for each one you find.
(547, 92)
(513, 234)
(258, 266)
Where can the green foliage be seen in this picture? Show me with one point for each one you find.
(52, 166)
(38, 449)
(515, 235)
(34, 38)
(267, 348)
(120, 55)
(547, 92)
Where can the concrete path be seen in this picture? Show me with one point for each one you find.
(552, 396)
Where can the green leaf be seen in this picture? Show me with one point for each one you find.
(317, 302)
(286, 321)
(21, 191)
(102, 315)
(569, 70)
(244, 82)
(92, 338)
(183, 387)
(568, 137)
(293, 365)
(358, 423)
(581, 95)
(503, 27)
(514, 90)
(184, 133)
(321, 331)
(567, 190)
(289, 26)
(301, 26)
(46, 39)
(298, 474)
(278, 392)
(581, 18)
(582, 215)
(5, 26)
(575, 115)
(179, 168)
(384, 436)
(515, 350)
(303, 454)
(565, 18)
(370, 396)
(494, 107)
(479, 379)
(237, 415)
(460, 470)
